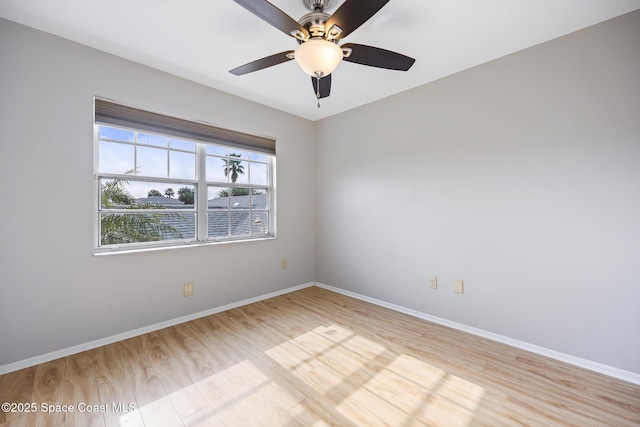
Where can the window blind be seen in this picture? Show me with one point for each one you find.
(110, 113)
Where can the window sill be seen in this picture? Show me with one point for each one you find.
(117, 251)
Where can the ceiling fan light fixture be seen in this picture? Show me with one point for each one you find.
(318, 57)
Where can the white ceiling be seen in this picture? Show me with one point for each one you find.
(202, 40)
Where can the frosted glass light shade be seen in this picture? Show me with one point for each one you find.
(318, 58)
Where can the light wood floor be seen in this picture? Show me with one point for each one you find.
(314, 358)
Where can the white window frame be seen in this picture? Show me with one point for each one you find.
(201, 202)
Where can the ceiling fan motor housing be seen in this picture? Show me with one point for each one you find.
(314, 23)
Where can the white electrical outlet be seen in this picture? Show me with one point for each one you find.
(433, 282)
(188, 289)
(458, 286)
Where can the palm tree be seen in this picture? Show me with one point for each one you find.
(152, 193)
(113, 193)
(169, 192)
(119, 228)
(233, 167)
(235, 191)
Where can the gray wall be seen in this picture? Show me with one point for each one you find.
(53, 292)
(520, 176)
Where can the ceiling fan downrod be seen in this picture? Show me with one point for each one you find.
(318, 5)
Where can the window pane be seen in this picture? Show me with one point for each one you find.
(115, 194)
(258, 173)
(182, 165)
(152, 162)
(183, 223)
(180, 144)
(187, 195)
(115, 158)
(147, 139)
(239, 154)
(215, 169)
(119, 194)
(259, 223)
(240, 198)
(122, 228)
(240, 223)
(218, 198)
(258, 157)
(259, 199)
(217, 150)
(159, 193)
(117, 134)
(235, 170)
(218, 224)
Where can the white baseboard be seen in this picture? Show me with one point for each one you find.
(563, 357)
(32, 361)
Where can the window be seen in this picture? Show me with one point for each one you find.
(163, 181)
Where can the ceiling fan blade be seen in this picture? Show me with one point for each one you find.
(272, 15)
(376, 57)
(325, 86)
(262, 63)
(354, 13)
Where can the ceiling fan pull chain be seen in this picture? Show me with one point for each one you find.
(318, 89)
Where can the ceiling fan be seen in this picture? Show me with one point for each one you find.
(318, 34)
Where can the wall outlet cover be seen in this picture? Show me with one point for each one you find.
(458, 286)
(188, 289)
(433, 282)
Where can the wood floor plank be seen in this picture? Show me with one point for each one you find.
(203, 418)
(317, 358)
(160, 412)
(227, 407)
(347, 399)
(193, 348)
(214, 351)
(267, 402)
(115, 388)
(582, 382)
(27, 421)
(234, 338)
(172, 365)
(153, 401)
(317, 413)
(49, 388)
(17, 387)
(81, 391)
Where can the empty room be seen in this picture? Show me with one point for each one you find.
(320, 212)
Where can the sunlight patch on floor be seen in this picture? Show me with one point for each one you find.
(335, 361)
(366, 383)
